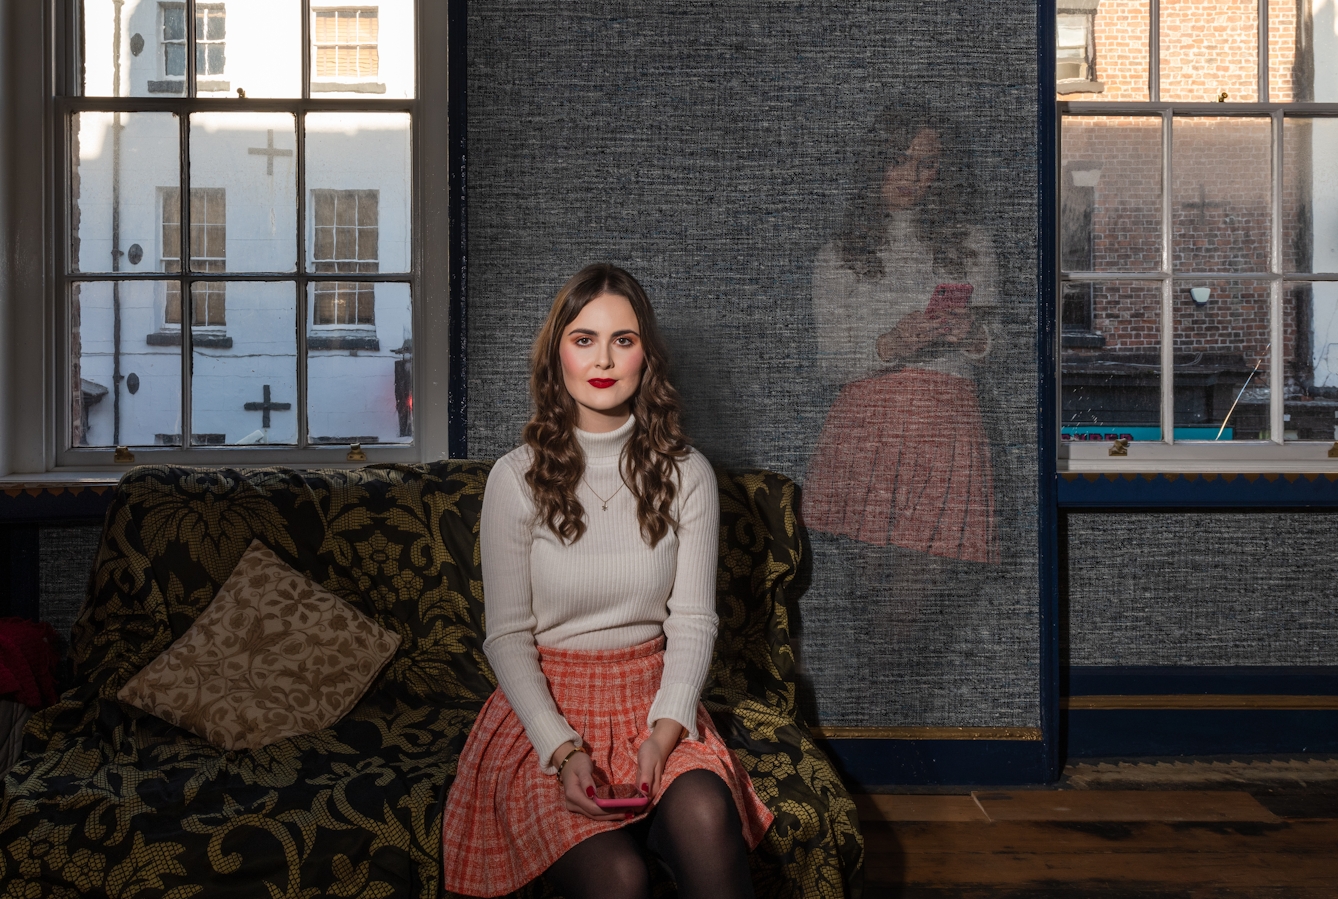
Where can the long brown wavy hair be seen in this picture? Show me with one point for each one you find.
(650, 460)
(942, 217)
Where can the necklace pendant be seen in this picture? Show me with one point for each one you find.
(605, 508)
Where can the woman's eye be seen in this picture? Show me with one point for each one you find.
(583, 341)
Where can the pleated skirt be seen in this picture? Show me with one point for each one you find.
(903, 461)
(505, 822)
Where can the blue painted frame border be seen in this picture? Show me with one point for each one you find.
(457, 390)
(1047, 413)
(1187, 492)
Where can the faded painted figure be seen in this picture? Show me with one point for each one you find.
(903, 301)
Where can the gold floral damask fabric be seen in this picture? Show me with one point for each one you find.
(111, 801)
(272, 656)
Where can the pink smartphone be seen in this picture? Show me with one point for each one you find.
(620, 796)
(948, 299)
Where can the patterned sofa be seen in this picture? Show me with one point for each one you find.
(109, 801)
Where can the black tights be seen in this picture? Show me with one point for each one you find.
(695, 830)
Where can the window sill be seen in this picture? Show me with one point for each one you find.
(1080, 87)
(348, 87)
(343, 342)
(199, 340)
(1205, 458)
(69, 480)
(1082, 339)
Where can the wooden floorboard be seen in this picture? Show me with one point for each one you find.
(1123, 805)
(1103, 844)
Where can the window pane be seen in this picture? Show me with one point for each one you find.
(359, 363)
(358, 179)
(1310, 195)
(363, 50)
(246, 160)
(1310, 328)
(1299, 56)
(1102, 50)
(1208, 49)
(244, 385)
(143, 407)
(1222, 191)
(1221, 360)
(121, 161)
(1111, 376)
(1111, 193)
(133, 49)
(249, 45)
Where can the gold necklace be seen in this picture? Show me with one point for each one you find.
(604, 503)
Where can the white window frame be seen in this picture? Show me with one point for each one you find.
(35, 411)
(1275, 454)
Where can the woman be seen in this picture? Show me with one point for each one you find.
(901, 477)
(599, 540)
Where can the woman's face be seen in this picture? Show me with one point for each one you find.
(913, 172)
(602, 359)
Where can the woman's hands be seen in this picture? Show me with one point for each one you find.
(578, 780)
(916, 330)
(578, 784)
(654, 752)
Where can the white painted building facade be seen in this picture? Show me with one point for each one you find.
(126, 210)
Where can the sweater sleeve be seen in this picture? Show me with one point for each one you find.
(505, 536)
(691, 626)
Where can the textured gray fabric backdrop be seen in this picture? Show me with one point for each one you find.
(709, 148)
(1256, 588)
(66, 557)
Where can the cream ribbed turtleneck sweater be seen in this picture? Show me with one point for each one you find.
(608, 590)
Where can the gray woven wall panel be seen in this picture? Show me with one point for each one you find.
(66, 558)
(1252, 588)
(711, 148)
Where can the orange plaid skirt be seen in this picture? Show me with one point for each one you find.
(505, 823)
(903, 461)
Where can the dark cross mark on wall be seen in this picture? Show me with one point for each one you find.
(1203, 205)
(265, 408)
(268, 151)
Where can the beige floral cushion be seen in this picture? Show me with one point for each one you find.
(272, 656)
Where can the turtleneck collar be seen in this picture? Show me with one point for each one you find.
(608, 445)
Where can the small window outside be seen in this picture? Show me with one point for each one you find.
(1074, 47)
(209, 232)
(345, 43)
(210, 30)
(346, 235)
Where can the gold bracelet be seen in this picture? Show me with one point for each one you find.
(566, 758)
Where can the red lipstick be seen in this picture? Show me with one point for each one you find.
(602, 383)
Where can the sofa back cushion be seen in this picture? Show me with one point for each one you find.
(400, 544)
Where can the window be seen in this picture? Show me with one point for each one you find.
(1196, 287)
(281, 227)
(210, 48)
(210, 26)
(1075, 46)
(345, 43)
(209, 224)
(345, 230)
